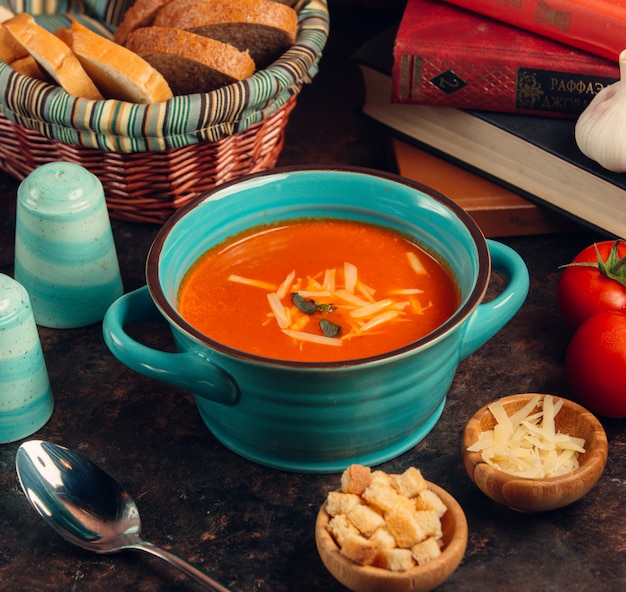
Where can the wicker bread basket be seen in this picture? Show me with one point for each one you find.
(153, 159)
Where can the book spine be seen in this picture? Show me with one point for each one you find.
(510, 83)
(519, 221)
(596, 26)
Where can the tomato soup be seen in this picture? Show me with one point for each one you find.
(317, 290)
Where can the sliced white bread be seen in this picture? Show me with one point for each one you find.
(118, 72)
(10, 49)
(5, 14)
(190, 63)
(263, 27)
(15, 54)
(29, 67)
(65, 35)
(53, 56)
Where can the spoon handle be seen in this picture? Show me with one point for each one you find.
(181, 564)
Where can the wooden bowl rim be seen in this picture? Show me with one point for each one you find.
(594, 459)
(451, 555)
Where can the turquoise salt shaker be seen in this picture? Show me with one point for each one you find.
(26, 401)
(65, 255)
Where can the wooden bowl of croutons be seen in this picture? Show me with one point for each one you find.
(534, 452)
(390, 533)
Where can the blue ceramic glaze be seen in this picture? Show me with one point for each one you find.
(319, 417)
(64, 250)
(26, 401)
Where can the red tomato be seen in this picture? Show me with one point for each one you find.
(595, 364)
(595, 281)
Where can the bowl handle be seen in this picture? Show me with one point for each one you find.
(490, 317)
(186, 370)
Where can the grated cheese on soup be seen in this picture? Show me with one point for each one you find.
(317, 290)
(527, 443)
(337, 288)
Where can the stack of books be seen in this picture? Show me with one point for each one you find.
(500, 101)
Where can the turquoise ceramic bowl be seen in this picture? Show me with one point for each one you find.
(318, 417)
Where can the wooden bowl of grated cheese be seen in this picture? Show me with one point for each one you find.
(534, 452)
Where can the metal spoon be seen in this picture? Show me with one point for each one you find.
(86, 505)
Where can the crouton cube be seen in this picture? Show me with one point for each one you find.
(366, 519)
(381, 496)
(340, 528)
(429, 522)
(381, 478)
(409, 483)
(355, 479)
(392, 521)
(429, 500)
(404, 527)
(404, 502)
(359, 549)
(395, 559)
(426, 550)
(383, 538)
(341, 503)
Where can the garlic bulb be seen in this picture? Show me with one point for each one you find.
(601, 127)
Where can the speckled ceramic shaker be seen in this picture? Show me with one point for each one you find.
(65, 255)
(26, 401)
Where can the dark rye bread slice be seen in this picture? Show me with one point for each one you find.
(263, 27)
(190, 63)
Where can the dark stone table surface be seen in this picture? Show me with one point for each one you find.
(252, 527)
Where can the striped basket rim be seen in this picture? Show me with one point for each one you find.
(119, 126)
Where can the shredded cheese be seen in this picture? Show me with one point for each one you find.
(279, 311)
(252, 282)
(366, 291)
(351, 276)
(379, 319)
(416, 264)
(329, 280)
(312, 337)
(286, 284)
(337, 288)
(527, 443)
(350, 298)
(371, 309)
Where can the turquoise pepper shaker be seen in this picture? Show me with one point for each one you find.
(65, 254)
(26, 401)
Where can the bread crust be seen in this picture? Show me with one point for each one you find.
(118, 72)
(140, 14)
(28, 66)
(189, 62)
(261, 12)
(263, 27)
(10, 49)
(53, 56)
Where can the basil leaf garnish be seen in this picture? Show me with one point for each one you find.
(329, 329)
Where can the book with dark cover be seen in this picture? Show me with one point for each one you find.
(446, 55)
(597, 26)
(536, 156)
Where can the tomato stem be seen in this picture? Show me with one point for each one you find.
(613, 268)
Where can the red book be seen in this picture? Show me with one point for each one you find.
(597, 26)
(446, 55)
